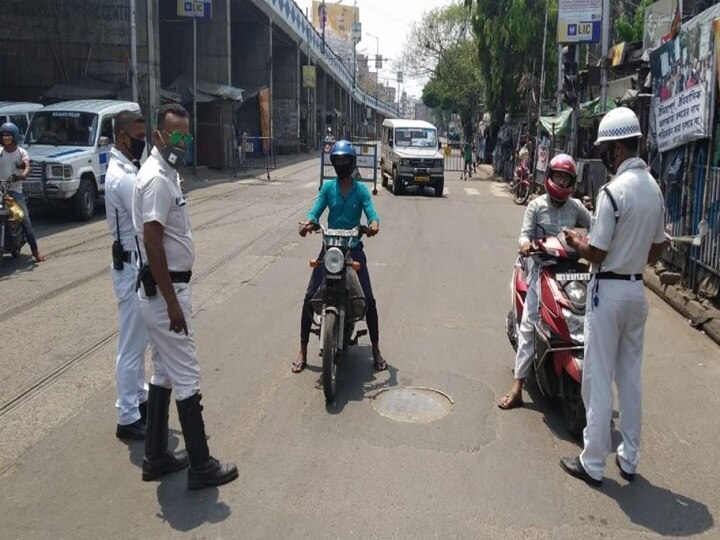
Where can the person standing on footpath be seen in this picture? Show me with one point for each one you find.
(160, 214)
(123, 166)
(627, 234)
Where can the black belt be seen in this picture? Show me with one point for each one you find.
(127, 256)
(181, 277)
(623, 277)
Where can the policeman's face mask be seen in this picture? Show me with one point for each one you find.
(136, 147)
(343, 166)
(608, 153)
(174, 150)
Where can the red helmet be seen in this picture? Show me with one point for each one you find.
(565, 164)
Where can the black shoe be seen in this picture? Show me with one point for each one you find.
(213, 473)
(574, 467)
(143, 412)
(205, 470)
(166, 463)
(134, 431)
(158, 460)
(629, 477)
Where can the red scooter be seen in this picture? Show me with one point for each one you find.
(522, 184)
(559, 336)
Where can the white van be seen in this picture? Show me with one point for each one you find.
(411, 155)
(19, 113)
(69, 145)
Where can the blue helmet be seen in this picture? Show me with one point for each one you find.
(12, 129)
(343, 148)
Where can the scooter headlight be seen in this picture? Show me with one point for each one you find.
(575, 324)
(334, 260)
(577, 292)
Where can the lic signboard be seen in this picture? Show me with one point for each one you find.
(579, 21)
(200, 9)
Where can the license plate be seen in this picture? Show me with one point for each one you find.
(573, 277)
(422, 178)
(346, 233)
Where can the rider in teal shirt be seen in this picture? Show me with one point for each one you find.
(347, 199)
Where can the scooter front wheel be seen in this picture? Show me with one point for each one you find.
(573, 408)
(521, 193)
(329, 356)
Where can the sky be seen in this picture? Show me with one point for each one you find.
(390, 21)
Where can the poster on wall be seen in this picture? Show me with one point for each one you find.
(683, 87)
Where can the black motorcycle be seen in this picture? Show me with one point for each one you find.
(12, 234)
(339, 302)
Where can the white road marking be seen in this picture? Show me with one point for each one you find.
(446, 191)
(471, 191)
(500, 190)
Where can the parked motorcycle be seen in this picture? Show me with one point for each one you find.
(12, 234)
(339, 303)
(559, 336)
(522, 184)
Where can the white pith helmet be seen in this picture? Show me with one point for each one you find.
(620, 123)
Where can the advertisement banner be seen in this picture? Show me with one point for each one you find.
(308, 74)
(579, 21)
(339, 19)
(659, 18)
(683, 87)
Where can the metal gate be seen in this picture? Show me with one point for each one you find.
(251, 153)
(453, 158)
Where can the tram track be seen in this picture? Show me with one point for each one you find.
(46, 380)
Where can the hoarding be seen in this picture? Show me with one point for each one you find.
(579, 21)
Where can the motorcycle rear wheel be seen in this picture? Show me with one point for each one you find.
(330, 351)
(573, 408)
(521, 193)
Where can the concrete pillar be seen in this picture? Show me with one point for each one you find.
(285, 91)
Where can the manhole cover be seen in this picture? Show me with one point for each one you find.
(412, 404)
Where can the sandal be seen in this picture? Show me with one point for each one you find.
(298, 365)
(380, 365)
(511, 401)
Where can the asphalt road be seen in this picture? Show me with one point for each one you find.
(440, 270)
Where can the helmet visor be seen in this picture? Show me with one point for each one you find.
(562, 179)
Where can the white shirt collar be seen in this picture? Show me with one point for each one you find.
(117, 154)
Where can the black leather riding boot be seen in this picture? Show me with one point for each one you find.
(158, 460)
(205, 470)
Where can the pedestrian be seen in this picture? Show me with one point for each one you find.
(14, 168)
(546, 215)
(627, 234)
(123, 166)
(467, 156)
(160, 215)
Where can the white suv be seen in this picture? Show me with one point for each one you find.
(69, 145)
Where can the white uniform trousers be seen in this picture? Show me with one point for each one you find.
(174, 359)
(614, 334)
(530, 317)
(132, 342)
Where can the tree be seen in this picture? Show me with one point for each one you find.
(431, 38)
(456, 85)
(509, 36)
(632, 29)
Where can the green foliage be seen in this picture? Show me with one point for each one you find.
(627, 30)
(456, 86)
(509, 36)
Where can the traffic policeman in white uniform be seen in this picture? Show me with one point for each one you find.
(627, 234)
(160, 215)
(132, 337)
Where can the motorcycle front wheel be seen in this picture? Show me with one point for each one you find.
(521, 193)
(329, 355)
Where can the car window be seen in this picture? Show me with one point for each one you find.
(416, 137)
(63, 128)
(20, 120)
(106, 128)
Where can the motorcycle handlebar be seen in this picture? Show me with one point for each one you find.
(363, 230)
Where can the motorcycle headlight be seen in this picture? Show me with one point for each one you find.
(576, 292)
(334, 260)
(575, 324)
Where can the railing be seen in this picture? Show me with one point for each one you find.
(251, 153)
(706, 207)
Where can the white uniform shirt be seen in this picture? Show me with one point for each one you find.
(158, 197)
(119, 190)
(551, 219)
(640, 223)
(9, 162)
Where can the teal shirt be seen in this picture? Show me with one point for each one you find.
(345, 212)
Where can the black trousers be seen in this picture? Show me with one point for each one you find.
(371, 317)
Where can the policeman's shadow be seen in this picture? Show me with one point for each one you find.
(185, 510)
(658, 509)
(357, 378)
(137, 448)
(23, 263)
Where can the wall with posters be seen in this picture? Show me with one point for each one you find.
(683, 86)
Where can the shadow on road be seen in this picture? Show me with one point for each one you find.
(186, 510)
(24, 263)
(658, 509)
(358, 380)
